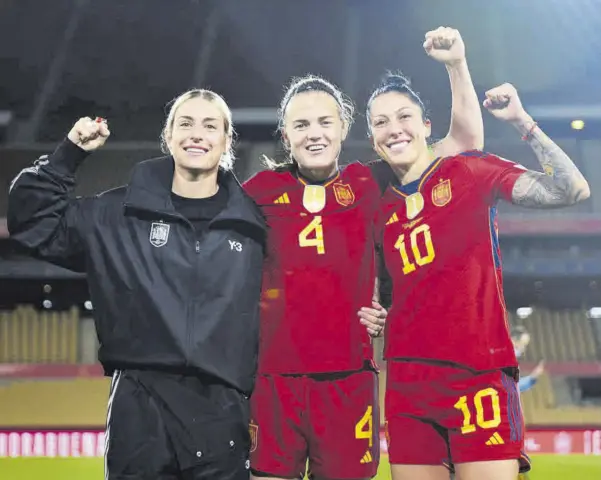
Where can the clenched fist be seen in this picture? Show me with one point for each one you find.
(89, 134)
(445, 45)
(504, 103)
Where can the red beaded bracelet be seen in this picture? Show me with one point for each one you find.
(529, 134)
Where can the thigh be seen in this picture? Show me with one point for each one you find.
(344, 421)
(218, 468)
(484, 419)
(278, 444)
(137, 444)
(416, 442)
(206, 421)
(413, 436)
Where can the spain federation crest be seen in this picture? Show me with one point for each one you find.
(159, 234)
(344, 194)
(441, 193)
(253, 430)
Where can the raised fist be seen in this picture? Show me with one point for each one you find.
(89, 134)
(504, 103)
(445, 45)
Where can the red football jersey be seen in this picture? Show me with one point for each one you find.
(439, 237)
(320, 269)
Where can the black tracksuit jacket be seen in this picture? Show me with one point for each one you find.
(163, 300)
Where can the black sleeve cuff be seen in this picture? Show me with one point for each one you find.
(67, 158)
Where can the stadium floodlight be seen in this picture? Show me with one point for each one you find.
(577, 124)
(524, 312)
(594, 312)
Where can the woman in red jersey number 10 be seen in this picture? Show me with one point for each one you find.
(451, 393)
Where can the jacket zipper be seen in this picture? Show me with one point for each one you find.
(178, 217)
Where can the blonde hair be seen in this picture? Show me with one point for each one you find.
(227, 159)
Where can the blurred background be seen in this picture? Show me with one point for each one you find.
(125, 59)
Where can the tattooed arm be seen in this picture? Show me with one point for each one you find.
(561, 183)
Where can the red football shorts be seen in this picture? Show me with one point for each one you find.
(438, 414)
(332, 420)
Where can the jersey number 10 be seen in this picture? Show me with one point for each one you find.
(410, 259)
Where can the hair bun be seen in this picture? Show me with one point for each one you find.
(396, 79)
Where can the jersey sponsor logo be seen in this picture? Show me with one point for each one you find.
(253, 430)
(159, 234)
(441, 193)
(282, 198)
(314, 198)
(344, 194)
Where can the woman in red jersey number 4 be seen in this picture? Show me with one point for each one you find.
(452, 373)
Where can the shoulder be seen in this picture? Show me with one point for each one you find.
(110, 202)
(376, 174)
(480, 162)
(266, 181)
(113, 194)
(470, 157)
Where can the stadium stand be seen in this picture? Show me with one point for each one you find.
(31, 336)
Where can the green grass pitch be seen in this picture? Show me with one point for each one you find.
(545, 467)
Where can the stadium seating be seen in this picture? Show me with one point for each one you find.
(562, 336)
(31, 336)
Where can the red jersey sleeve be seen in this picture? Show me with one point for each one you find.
(495, 175)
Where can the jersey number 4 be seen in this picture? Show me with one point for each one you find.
(312, 236)
(418, 236)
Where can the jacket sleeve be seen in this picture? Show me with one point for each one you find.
(43, 216)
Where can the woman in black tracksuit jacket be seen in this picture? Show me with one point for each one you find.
(174, 263)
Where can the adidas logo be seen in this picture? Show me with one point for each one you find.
(392, 219)
(367, 458)
(282, 199)
(495, 440)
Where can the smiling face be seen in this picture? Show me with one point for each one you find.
(399, 131)
(314, 131)
(197, 134)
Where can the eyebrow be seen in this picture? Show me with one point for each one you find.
(324, 117)
(398, 110)
(206, 119)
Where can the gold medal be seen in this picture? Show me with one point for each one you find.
(314, 198)
(414, 205)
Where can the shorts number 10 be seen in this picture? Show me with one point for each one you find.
(464, 406)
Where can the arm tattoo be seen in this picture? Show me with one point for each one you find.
(562, 183)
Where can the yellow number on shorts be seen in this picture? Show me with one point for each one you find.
(462, 405)
(364, 428)
(421, 260)
(317, 240)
